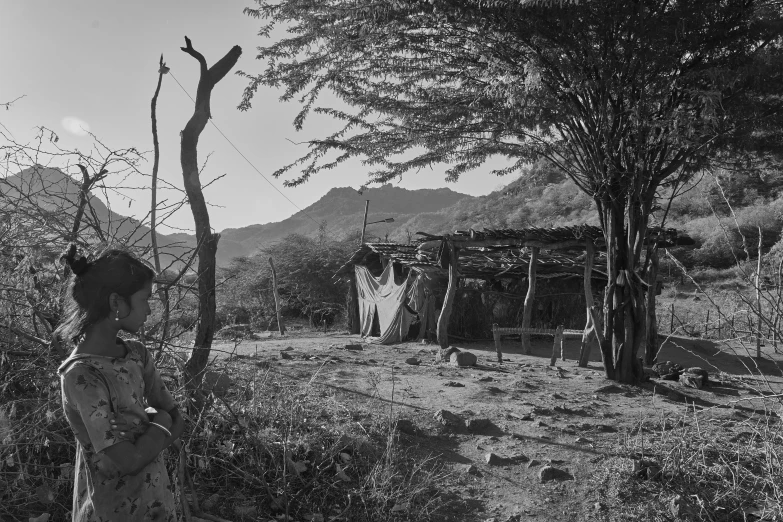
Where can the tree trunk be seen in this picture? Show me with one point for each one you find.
(651, 337)
(280, 325)
(590, 326)
(448, 300)
(527, 313)
(354, 320)
(205, 330)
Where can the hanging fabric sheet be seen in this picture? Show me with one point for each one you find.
(384, 296)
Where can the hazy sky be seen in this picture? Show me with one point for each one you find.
(93, 63)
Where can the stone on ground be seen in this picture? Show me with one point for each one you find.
(447, 418)
(463, 359)
(549, 473)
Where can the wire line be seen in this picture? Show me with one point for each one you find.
(245, 157)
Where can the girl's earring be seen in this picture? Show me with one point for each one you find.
(117, 317)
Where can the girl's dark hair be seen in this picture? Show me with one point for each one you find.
(92, 281)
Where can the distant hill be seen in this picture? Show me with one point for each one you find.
(57, 194)
(343, 211)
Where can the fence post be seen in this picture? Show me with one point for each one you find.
(671, 320)
(706, 324)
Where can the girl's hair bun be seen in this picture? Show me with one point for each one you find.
(77, 263)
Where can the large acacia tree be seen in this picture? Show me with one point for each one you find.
(627, 97)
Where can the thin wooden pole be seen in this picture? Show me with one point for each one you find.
(706, 324)
(529, 298)
(758, 299)
(558, 343)
(364, 225)
(448, 301)
(496, 338)
(280, 324)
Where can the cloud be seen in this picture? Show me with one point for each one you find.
(75, 126)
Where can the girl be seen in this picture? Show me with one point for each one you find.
(113, 396)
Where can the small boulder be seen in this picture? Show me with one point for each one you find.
(406, 426)
(444, 354)
(412, 361)
(470, 469)
(477, 424)
(549, 473)
(692, 381)
(286, 355)
(463, 359)
(447, 418)
(354, 347)
(704, 374)
(454, 384)
(668, 370)
(494, 460)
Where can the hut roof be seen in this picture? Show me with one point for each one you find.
(502, 253)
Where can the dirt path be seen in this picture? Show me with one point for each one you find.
(529, 415)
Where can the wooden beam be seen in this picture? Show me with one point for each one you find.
(448, 301)
(354, 318)
(584, 351)
(529, 298)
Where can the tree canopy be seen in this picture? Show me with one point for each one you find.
(625, 97)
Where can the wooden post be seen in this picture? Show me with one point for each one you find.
(706, 324)
(364, 225)
(354, 321)
(587, 336)
(562, 342)
(496, 337)
(758, 299)
(529, 298)
(671, 319)
(557, 343)
(448, 300)
(280, 324)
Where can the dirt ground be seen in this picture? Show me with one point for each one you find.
(525, 412)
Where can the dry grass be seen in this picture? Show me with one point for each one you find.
(698, 467)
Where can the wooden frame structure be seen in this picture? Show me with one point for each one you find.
(510, 254)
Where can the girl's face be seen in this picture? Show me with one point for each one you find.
(135, 315)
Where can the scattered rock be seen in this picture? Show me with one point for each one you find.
(413, 361)
(244, 510)
(611, 388)
(477, 424)
(444, 354)
(549, 473)
(286, 355)
(454, 384)
(354, 347)
(520, 457)
(533, 463)
(406, 426)
(494, 460)
(470, 469)
(583, 440)
(681, 508)
(692, 381)
(462, 359)
(485, 379)
(447, 418)
(668, 370)
(211, 501)
(557, 397)
(217, 383)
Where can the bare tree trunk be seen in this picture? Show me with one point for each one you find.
(280, 325)
(590, 326)
(163, 290)
(205, 330)
(527, 313)
(448, 300)
(758, 299)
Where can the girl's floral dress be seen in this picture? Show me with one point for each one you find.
(104, 399)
